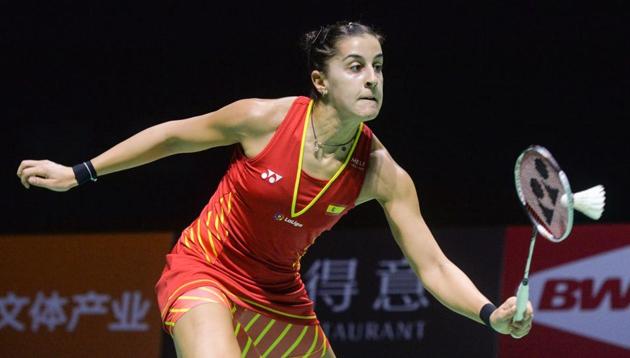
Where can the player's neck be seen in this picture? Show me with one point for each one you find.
(330, 128)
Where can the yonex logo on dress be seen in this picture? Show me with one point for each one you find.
(271, 176)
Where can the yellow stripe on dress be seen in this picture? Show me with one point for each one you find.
(208, 218)
(192, 283)
(192, 235)
(216, 294)
(296, 343)
(252, 321)
(310, 350)
(186, 241)
(249, 343)
(203, 247)
(176, 310)
(197, 298)
(276, 311)
(264, 332)
(324, 346)
(278, 340)
(249, 340)
(211, 239)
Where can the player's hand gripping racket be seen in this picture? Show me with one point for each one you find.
(544, 192)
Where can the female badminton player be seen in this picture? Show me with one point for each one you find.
(231, 284)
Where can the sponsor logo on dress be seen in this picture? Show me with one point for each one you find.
(280, 217)
(271, 176)
(357, 163)
(335, 209)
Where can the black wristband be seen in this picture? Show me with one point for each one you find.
(485, 313)
(84, 172)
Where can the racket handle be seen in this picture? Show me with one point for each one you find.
(522, 297)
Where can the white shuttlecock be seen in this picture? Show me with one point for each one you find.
(589, 202)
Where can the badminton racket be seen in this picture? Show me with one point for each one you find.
(544, 191)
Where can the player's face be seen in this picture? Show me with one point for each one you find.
(354, 77)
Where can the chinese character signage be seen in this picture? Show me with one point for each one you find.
(49, 311)
(371, 304)
(81, 295)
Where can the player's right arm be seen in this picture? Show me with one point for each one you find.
(234, 123)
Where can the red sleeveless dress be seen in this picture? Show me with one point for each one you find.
(265, 213)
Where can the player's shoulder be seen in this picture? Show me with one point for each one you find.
(384, 174)
(380, 159)
(261, 108)
(263, 115)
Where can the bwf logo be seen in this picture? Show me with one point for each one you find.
(587, 297)
(271, 176)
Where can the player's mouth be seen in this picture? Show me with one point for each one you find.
(369, 98)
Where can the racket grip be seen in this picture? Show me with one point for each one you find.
(522, 297)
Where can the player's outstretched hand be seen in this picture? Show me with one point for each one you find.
(46, 174)
(502, 319)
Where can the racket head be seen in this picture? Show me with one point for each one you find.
(540, 185)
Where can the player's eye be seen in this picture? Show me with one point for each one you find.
(355, 67)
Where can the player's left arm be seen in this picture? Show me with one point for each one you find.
(395, 191)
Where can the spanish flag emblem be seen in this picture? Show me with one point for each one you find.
(335, 209)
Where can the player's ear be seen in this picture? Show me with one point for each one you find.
(318, 78)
